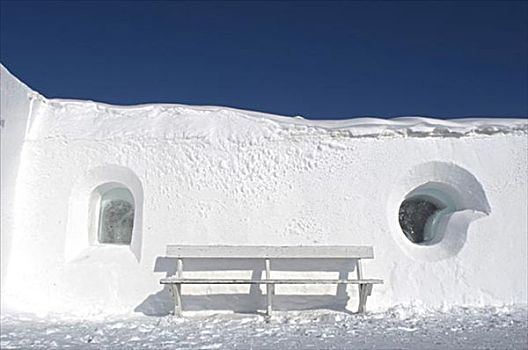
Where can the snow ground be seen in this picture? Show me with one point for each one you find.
(460, 328)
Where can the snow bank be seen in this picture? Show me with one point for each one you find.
(73, 119)
(215, 175)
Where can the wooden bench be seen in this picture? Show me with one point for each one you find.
(268, 253)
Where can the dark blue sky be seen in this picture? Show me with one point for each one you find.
(321, 60)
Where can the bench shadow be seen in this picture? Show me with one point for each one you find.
(162, 304)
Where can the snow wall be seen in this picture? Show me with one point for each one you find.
(221, 176)
(15, 110)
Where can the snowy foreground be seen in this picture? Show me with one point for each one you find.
(460, 328)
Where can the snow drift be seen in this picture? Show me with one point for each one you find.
(216, 175)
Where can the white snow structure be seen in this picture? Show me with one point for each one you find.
(92, 194)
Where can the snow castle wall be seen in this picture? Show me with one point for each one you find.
(15, 111)
(213, 175)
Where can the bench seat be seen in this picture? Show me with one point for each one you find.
(270, 281)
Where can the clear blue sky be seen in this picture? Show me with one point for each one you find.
(321, 60)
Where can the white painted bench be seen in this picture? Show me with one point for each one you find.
(268, 253)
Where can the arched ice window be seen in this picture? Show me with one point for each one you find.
(116, 216)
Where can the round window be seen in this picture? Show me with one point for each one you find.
(421, 211)
(416, 218)
(430, 210)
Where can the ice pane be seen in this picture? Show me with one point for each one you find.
(414, 216)
(116, 217)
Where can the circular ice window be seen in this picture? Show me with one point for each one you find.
(421, 211)
(417, 216)
(430, 210)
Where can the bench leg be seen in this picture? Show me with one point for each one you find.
(364, 291)
(176, 292)
(270, 291)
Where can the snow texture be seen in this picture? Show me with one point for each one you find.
(460, 328)
(216, 175)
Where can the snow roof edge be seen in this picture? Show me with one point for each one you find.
(398, 123)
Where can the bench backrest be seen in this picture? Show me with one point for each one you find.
(275, 252)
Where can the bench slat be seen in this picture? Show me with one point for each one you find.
(262, 252)
(270, 281)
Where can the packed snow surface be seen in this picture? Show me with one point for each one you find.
(460, 328)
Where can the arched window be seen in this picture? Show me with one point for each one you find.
(116, 216)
